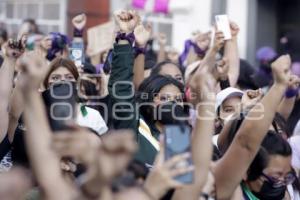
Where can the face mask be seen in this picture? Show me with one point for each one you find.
(60, 101)
(267, 192)
(171, 113)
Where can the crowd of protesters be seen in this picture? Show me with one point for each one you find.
(243, 121)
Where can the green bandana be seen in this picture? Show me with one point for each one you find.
(248, 193)
(83, 110)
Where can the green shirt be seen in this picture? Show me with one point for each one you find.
(123, 102)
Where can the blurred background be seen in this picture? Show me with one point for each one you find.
(273, 23)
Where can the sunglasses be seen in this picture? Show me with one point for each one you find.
(276, 183)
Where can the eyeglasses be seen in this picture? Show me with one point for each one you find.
(276, 183)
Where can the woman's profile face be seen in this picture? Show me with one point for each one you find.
(169, 93)
(61, 74)
(171, 70)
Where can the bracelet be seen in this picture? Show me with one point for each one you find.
(122, 36)
(139, 50)
(187, 45)
(77, 32)
(198, 50)
(290, 92)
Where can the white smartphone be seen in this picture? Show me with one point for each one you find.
(223, 25)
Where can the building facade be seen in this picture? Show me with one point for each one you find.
(52, 15)
(262, 22)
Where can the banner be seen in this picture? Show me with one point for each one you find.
(156, 6)
(140, 4)
(163, 6)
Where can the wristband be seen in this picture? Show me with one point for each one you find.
(77, 32)
(187, 45)
(139, 50)
(122, 36)
(290, 92)
(198, 50)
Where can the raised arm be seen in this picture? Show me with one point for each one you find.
(120, 86)
(142, 35)
(162, 41)
(196, 48)
(231, 53)
(79, 23)
(16, 108)
(12, 50)
(202, 84)
(38, 135)
(210, 56)
(247, 141)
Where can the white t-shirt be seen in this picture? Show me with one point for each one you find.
(294, 194)
(297, 129)
(295, 145)
(92, 120)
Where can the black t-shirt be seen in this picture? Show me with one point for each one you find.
(294, 117)
(4, 147)
(19, 153)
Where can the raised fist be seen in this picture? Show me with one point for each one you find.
(127, 20)
(281, 70)
(79, 21)
(14, 48)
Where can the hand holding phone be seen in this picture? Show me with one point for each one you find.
(177, 142)
(223, 25)
(76, 52)
(171, 169)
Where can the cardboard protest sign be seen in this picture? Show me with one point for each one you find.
(100, 38)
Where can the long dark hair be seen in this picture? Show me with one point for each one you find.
(61, 62)
(148, 90)
(273, 144)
